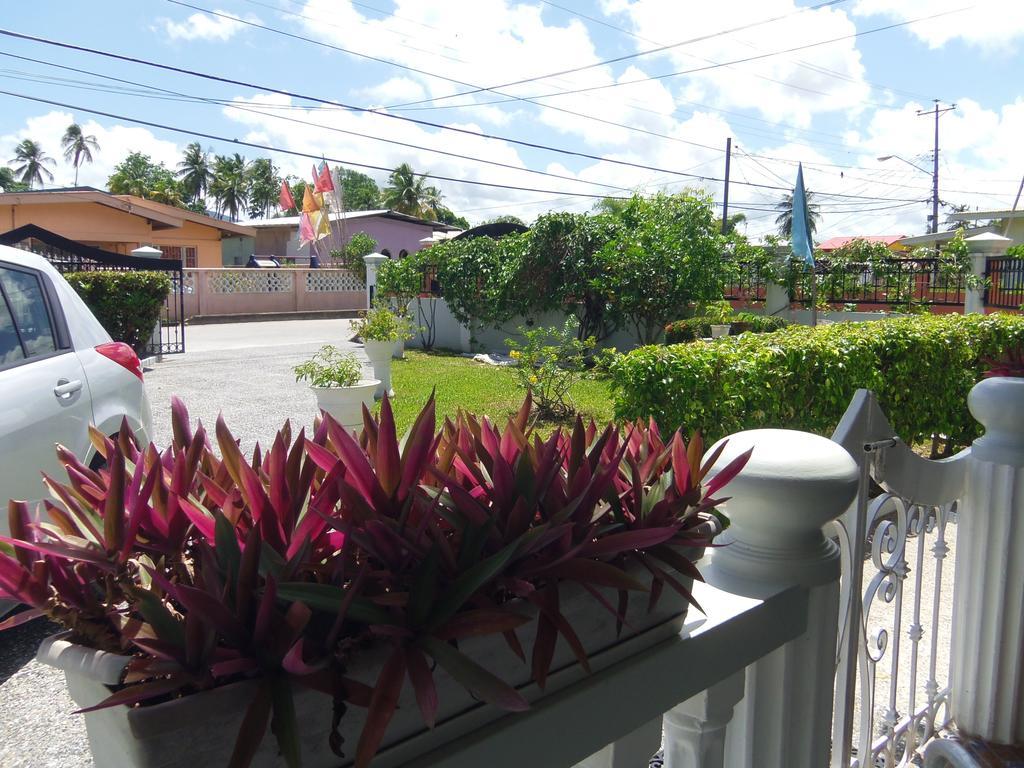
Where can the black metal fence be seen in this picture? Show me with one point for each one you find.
(69, 256)
(1005, 283)
(893, 282)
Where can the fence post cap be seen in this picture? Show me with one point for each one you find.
(988, 242)
(374, 259)
(998, 404)
(794, 483)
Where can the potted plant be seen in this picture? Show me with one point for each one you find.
(336, 379)
(719, 315)
(380, 329)
(335, 594)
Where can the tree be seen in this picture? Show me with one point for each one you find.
(359, 245)
(785, 218)
(447, 216)
(732, 221)
(264, 187)
(611, 205)
(78, 147)
(506, 218)
(194, 172)
(409, 193)
(138, 175)
(955, 208)
(8, 183)
(33, 161)
(664, 255)
(358, 191)
(230, 185)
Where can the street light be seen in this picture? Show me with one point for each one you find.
(883, 158)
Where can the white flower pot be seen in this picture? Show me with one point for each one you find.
(345, 404)
(399, 351)
(717, 331)
(200, 729)
(380, 353)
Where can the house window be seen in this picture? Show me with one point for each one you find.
(385, 252)
(403, 253)
(187, 254)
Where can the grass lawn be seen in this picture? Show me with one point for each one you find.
(478, 388)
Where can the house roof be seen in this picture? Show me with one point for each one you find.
(838, 242)
(384, 213)
(158, 215)
(941, 237)
(197, 218)
(975, 215)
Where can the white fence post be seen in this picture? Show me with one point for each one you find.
(982, 247)
(372, 261)
(987, 684)
(793, 485)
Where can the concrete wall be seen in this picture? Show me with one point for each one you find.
(212, 292)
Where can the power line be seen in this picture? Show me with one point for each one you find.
(292, 152)
(757, 57)
(464, 131)
(234, 105)
(619, 59)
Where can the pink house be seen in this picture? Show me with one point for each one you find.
(397, 234)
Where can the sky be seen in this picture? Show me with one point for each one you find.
(524, 108)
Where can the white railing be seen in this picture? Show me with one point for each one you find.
(892, 681)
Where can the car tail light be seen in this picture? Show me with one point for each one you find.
(123, 355)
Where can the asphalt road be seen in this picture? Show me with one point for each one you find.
(243, 370)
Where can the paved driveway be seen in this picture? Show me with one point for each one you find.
(240, 369)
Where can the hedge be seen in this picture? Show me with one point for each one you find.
(921, 368)
(127, 304)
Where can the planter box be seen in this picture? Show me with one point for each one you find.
(718, 331)
(345, 404)
(200, 730)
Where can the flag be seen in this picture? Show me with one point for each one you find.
(309, 200)
(324, 182)
(800, 237)
(321, 224)
(306, 231)
(286, 200)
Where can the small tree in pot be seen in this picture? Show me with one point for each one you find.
(379, 329)
(336, 379)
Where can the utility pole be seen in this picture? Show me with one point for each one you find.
(935, 165)
(1019, 190)
(725, 201)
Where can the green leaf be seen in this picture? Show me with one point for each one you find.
(328, 598)
(283, 722)
(469, 582)
(473, 677)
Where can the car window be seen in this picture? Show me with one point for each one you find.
(28, 306)
(10, 346)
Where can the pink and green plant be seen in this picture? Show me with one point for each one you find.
(207, 567)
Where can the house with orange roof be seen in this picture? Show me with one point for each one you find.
(892, 242)
(122, 223)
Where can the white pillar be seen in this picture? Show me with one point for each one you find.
(372, 261)
(982, 247)
(694, 732)
(987, 682)
(793, 485)
(776, 300)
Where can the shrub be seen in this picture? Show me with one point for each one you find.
(381, 324)
(921, 368)
(359, 245)
(548, 362)
(210, 567)
(330, 367)
(127, 304)
(760, 323)
(690, 329)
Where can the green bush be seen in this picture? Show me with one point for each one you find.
(921, 368)
(548, 363)
(690, 329)
(759, 323)
(127, 304)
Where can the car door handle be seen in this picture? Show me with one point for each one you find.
(65, 388)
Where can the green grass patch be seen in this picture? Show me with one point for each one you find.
(485, 390)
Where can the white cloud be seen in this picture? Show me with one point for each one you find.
(392, 91)
(202, 26)
(992, 25)
(115, 143)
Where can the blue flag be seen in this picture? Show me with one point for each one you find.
(800, 238)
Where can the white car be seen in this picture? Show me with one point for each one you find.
(59, 372)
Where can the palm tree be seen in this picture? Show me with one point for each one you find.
(78, 147)
(733, 221)
(33, 163)
(409, 193)
(194, 172)
(785, 218)
(230, 185)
